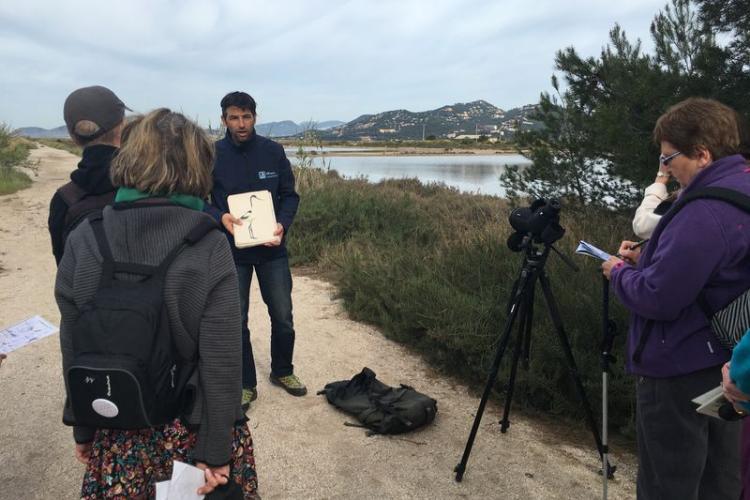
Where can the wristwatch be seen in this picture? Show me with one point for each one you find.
(662, 174)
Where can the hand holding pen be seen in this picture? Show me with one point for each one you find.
(630, 251)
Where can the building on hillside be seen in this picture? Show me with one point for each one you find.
(487, 129)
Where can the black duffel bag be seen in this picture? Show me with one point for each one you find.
(380, 408)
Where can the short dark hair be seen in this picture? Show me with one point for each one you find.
(239, 99)
(699, 122)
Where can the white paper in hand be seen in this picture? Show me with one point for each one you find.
(585, 248)
(162, 490)
(185, 482)
(710, 402)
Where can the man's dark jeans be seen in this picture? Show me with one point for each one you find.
(275, 282)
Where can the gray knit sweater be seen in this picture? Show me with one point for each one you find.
(202, 302)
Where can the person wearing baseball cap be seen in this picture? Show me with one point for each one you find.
(94, 117)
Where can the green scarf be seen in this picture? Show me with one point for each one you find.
(185, 200)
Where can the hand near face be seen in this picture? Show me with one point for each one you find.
(663, 175)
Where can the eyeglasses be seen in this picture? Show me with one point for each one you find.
(664, 160)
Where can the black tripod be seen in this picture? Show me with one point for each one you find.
(522, 305)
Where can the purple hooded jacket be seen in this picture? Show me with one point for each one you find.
(706, 246)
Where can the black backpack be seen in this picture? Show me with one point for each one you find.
(81, 204)
(381, 408)
(126, 372)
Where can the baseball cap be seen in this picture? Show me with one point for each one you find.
(97, 105)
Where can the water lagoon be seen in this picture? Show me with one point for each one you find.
(468, 173)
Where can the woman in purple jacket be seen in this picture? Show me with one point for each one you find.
(671, 349)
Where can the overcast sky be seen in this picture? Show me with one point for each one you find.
(320, 60)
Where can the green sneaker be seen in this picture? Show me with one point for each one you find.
(290, 383)
(248, 396)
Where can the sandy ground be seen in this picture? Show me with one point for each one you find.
(303, 450)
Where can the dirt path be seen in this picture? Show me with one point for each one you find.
(303, 450)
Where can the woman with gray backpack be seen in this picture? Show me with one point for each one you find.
(150, 324)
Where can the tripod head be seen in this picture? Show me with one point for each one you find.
(537, 228)
(540, 221)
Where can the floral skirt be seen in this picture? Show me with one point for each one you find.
(127, 464)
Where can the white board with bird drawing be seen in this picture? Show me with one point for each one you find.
(255, 210)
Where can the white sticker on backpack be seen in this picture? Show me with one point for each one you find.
(105, 408)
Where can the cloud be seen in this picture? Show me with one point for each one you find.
(301, 59)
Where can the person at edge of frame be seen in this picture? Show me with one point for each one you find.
(671, 349)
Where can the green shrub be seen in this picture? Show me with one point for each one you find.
(430, 267)
(11, 180)
(14, 152)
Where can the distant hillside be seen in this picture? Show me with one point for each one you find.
(461, 119)
(288, 128)
(472, 118)
(273, 129)
(43, 133)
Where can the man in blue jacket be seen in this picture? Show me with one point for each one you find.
(246, 162)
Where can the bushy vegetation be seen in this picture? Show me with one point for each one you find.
(430, 267)
(596, 144)
(14, 153)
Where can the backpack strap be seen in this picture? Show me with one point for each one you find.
(730, 196)
(71, 193)
(108, 262)
(80, 203)
(110, 267)
(739, 200)
(204, 226)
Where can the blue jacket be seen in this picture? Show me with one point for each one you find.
(256, 164)
(706, 246)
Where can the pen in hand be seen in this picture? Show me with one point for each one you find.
(631, 247)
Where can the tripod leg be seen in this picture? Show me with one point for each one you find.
(527, 335)
(524, 331)
(557, 321)
(502, 345)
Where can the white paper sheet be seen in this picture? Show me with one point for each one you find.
(185, 481)
(710, 402)
(24, 333)
(585, 248)
(162, 490)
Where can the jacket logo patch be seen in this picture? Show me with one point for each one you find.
(265, 174)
